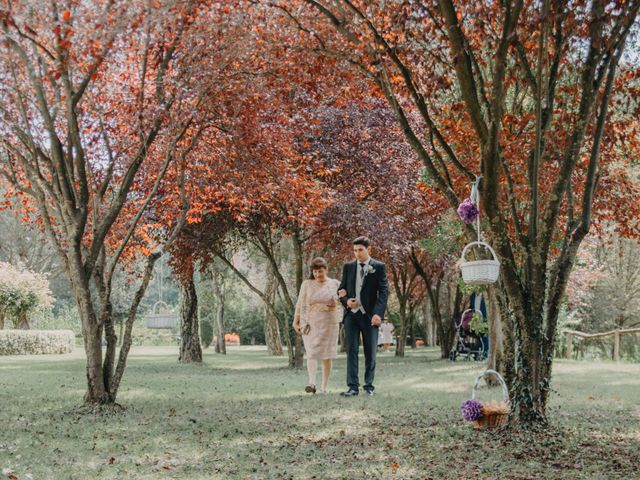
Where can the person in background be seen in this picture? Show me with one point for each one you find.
(386, 333)
(477, 303)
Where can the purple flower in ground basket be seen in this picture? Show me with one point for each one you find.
(471, 410)
(468, 211)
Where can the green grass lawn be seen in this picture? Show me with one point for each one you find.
(244, 415)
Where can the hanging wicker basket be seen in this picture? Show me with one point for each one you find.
(167, 320)
(493, 414)
(479, 272)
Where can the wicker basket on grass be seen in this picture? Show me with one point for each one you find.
(494, 414)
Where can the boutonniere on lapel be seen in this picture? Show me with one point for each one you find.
(369, 269)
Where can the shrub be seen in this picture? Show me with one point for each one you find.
(21, 292)
(36, 342)
(66, 318)
(206, 333)
(232, 338)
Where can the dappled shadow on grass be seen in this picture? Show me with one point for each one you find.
(246, 416)
(300, 438)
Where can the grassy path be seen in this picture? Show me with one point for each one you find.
(245, 416)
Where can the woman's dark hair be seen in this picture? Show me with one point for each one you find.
(362, 241)
(316, 264)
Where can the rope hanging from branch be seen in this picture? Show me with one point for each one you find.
(475, 198)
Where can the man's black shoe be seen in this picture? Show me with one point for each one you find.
(368, 392)
(350, 393)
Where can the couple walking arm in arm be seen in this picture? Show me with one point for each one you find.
(363, 292)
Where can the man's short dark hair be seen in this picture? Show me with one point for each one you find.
(364, 241)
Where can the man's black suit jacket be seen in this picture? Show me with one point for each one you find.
(375, 287)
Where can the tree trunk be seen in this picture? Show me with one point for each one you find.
(508, 370)
(108, 364)
(298, 247)
(444, 325)
(532, 380)
(97, 389)
(123, 355)
(495, 360)
(412, 326)
(289, 342)
(103, 375)
(270, 249)
(221, 344)
(1, 320)
(121, 332)
(456, 311)
(403, 287)
(526, 369)
(269, 301)
(23, 322)
(402, 332)
(445, 329)
(271, 322)
(218, 290)
(299, 352)
(97, 392)
(190, 350)
(429, 326)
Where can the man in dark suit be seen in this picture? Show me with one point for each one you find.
(363, 292)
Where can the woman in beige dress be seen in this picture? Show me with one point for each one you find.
(317, 319)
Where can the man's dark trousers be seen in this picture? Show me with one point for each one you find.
(355, 324)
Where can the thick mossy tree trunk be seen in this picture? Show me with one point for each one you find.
(495, 360)
(190, 349)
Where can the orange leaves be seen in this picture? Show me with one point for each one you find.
(66, 16)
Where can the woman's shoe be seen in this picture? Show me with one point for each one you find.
(310, 389)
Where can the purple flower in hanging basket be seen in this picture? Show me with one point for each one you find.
(471, 410)
(468, 211)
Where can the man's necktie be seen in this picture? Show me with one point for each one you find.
(362, 270)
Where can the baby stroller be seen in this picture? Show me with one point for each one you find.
(467, 342)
